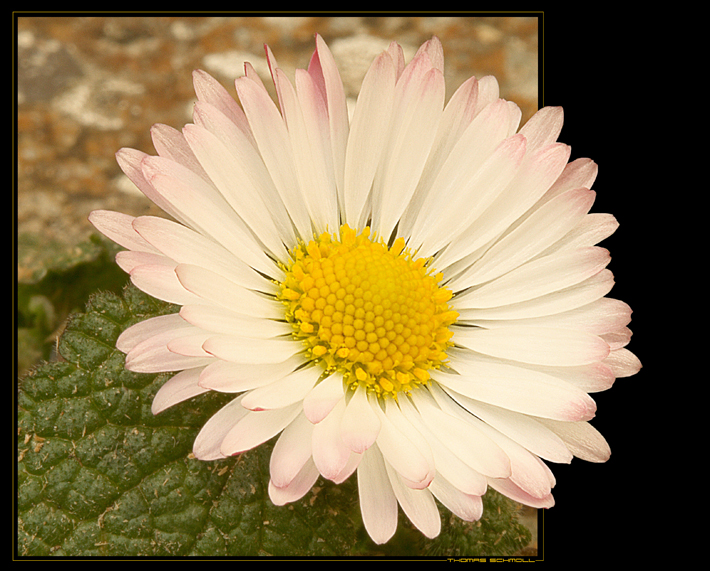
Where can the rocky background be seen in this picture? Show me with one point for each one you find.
(87, 86)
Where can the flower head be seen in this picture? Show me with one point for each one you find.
(413, 293)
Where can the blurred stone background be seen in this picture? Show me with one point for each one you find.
(87, 86)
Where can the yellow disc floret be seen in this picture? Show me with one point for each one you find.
(373, 313)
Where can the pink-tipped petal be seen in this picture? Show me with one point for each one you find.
(210, 91)
(419, 102)
(325, 75)
(209, 440)
(368, 133)
(377, 500)
(291, 452)
(297, 488)
(508, 488)
(543, 127)
(330, 453)
(582, 439)
(256, 428)
(467, 507)
(535, 345)
(623, 363)
(159, 280)
(519, 389)
(118, 227)
(177, 389)
(417, 504)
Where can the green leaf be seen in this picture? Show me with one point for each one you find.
(100, 475)
(54, 281)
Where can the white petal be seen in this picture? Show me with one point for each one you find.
(275, 147)
(623, 363)
(234, 184)
(580, 173)
(448, 465)
(535, 345)
(457, 116)
(583, 440)
(306, 119)
(323, 397)
(221, 320)
(291, 452)
(297, 488)
(251, 351)
(118, 227)
(541, 229)
(435, 51)
(180, 387)
(418, 505)
(566, 299)
(247, 158)
(153, 356)
(412, 460)
(212, 288)
(524, 430)
(350, 466)
(148, 328)
(537, 172)
(315, 115)
(514, 492)
(537, 278)
(170, 144)
(202, 208)
(543, 127)
(465, 506)
(599, 317)
(593, 228)
(210, 91)
(463, 438)
(251, 73)
(459, 180)
(526, 470)
(189, 346)
(209, 440)
(463, 194)
(488, 90)
(368, 133)
(617, 339)
(257, 427)
(396, 52)
(419, 98)
(160, 280)
(129, 260)
(518, 389)
(292, 388)
(325, 75)
(229, 377)
(378, 503)
(330, 453)
(591, 378)
(131, 163)
(360, 425)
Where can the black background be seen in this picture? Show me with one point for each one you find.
(593, 66)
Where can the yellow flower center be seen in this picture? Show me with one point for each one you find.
(373, 313)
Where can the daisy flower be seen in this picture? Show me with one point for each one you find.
(412, 294)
